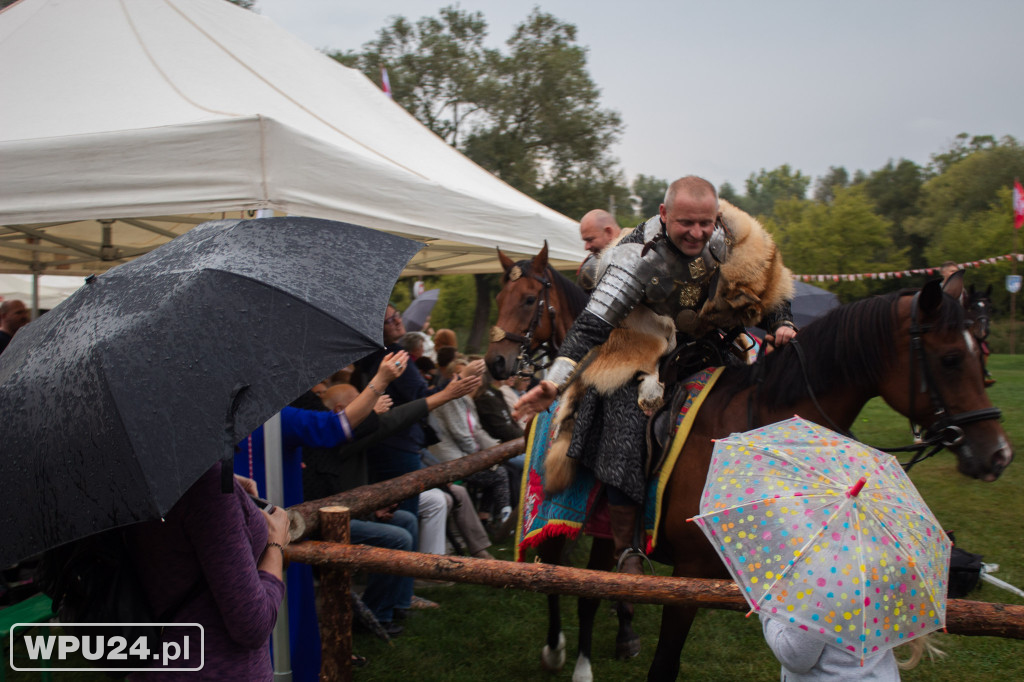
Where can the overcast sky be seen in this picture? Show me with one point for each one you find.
(725, 88)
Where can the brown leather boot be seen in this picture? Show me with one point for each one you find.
(622, 518)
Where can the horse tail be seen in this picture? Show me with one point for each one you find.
(559, 468)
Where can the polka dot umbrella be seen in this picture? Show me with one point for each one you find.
(826, 534)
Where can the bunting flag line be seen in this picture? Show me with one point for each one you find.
(385, 82)
(899, 274)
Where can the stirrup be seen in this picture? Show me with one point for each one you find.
(634, 551)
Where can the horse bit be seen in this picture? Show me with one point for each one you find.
(527, 358)
(946, 431)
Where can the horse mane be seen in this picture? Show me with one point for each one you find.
(851, 345)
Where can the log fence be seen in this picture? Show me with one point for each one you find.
(330, 518)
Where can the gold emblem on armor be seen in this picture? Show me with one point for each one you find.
(497, 334)
(697, 269)
(689, 295)
(515, 273)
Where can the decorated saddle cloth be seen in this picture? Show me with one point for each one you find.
(576, 509)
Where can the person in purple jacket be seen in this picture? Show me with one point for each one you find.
(216, 559)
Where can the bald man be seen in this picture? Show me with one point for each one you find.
(13, 316)
(598, 229)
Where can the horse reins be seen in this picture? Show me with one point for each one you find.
(945, 432)
(527, 357)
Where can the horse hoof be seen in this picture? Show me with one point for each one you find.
(583, 671)
(627, 650)
(553, 660)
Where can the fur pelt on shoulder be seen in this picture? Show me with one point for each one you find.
(752, 280)
(631, 353)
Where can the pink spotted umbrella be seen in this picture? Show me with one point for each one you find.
(824, 533)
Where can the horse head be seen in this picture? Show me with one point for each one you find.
(946, 390)
(979, 311)
(526, 314)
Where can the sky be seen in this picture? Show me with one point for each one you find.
(725, 88)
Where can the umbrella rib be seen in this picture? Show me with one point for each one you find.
(803, 550)
(920, 539)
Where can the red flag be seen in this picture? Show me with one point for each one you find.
(385, 82)
(1018, 204)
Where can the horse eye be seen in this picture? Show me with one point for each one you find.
(951, 360)
(530, 300)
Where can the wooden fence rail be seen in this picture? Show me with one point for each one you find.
(304, 518)
(963, 617)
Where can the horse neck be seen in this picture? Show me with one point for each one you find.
(563, 318)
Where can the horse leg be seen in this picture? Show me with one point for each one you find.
(623, 520)
(601, 551)
(675, 626)
(552, 656)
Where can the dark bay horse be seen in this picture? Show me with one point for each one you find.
(913, 349)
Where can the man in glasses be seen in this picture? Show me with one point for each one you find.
(400, 453)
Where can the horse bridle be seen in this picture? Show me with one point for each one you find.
(982, 320)
(527, 357)
(946, 431)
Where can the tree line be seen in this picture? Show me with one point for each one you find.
(531, 115)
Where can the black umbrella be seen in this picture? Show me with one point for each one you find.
(811, 302)
(118, 399)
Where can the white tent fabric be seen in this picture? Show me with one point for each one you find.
(127, 122)
(52, 289)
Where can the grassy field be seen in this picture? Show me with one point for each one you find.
(488, 634)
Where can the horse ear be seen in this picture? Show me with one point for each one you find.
(954, 284)
(931, 297)
(506, 262)
(540, 261)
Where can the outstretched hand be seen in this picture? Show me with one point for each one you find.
(462, 385)
(392, 366)
(535, 400)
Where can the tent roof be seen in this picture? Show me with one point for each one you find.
(127, 123)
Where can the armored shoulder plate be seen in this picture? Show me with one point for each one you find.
(621, 283)
(720, 243)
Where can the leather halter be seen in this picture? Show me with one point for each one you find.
(980, 320)
(945, 431)
(527, 356)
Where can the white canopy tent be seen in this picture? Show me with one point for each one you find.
(127, 122)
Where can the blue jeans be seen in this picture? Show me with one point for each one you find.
(385, 463)
(386, 592)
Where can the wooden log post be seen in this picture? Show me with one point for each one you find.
(336, 611)
(305, 518)
(963, 617)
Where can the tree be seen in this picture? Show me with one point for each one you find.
(895, 191)
(544, 124)
(979, 235)
(531, 116)
(967, 187)
(825, 187)
(844, 237)
(650, 192)
(768, 187)
(433, 66)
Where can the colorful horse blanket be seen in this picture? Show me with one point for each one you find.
(544, 516)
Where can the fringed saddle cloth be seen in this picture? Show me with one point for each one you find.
(576, 509)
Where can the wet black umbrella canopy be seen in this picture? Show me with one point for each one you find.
(118, 399)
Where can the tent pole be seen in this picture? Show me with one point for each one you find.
(272, 455)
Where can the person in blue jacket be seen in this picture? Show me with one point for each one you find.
(320, 429)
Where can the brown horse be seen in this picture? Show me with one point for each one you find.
(536, 307)
(911, 348)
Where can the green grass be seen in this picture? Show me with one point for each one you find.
(484, 633)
